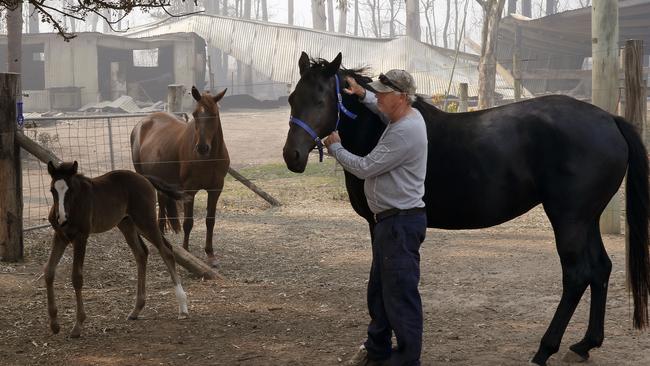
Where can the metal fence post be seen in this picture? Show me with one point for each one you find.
(110, 143)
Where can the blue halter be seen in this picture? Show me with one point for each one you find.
(340, 108)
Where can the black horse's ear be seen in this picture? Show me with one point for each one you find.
(303, 63)
(218, 97)
(196, 94)
(75, 167)
(334, 66)
(51, 168)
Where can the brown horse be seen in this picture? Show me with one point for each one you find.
(192, 155)
(84, 206)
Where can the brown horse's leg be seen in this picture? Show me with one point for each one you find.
(58, 247)
(147, 227)
(213, 197)
(79, 246)
(162, 211)
(140, 252)
(188, 220)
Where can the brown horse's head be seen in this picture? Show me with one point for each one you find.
(206, 120)
(64, 190)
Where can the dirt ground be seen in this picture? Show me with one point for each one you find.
(294, 292)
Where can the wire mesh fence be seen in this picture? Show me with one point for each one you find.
(98, 143)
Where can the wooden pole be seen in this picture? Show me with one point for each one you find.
(516, 64)
(175, 98)
(635, 104)
(462, 103)
(11, 192)
(604, 81)
(267, 197)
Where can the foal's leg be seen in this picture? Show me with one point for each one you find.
(140, 252)
(58, 247)
(162, 211)
(601, 267)
(79, 246)
(188, 220)
(149, 230)
(571, 242)
(213, 197)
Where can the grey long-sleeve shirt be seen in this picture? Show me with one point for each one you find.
(395, 169)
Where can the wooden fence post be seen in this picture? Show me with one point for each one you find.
(175, 98)
(462, 102)
(11, 193)
(635, 103)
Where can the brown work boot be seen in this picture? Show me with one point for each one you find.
(361, 359)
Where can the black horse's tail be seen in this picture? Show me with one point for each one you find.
(169, 208)
(637, 206)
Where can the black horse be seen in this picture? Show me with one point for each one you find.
(490, 166)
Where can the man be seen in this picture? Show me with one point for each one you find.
(394, 173)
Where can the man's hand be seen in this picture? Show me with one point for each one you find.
(332, 138)
(354, 88)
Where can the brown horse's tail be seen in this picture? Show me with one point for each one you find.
(169, 209)
(637, 207)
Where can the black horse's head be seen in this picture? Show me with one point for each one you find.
(314, 101)
(206, 120)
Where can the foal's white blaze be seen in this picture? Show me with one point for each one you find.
(182, 300)
(61, 188)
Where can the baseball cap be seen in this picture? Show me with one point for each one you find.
(394, 80)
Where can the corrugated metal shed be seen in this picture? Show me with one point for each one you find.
(273, 50)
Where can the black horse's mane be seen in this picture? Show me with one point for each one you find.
(362, 76)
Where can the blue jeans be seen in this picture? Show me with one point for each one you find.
(394, 301)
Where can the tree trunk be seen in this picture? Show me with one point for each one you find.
(526, 8)
(455, 23)
(34, 22)
(392, 19)
(512, 6)
(343, 16)
(318, 14)
(265, 11)
(14, 39)
(550, 7)
(413, 19)
(428, 5)
(446, 27)
(330, 15)
(356, 17)
(488, 61)
(247, 9)
(290, 10)
(248, 70)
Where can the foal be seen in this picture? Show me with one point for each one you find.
(84, 206)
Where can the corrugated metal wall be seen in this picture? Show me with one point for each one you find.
(273, 50)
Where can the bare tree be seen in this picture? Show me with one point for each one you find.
(318, 14)
(445, 33)
(429, 14)
(33, 20)
(512, 6)
(343, 16)
(14, 19)
(330, 15)
(80, 10)
(526, 8)
(356, 17)
(413, 19)
(265, 10)
(290, 10)
(393, 14)
(375, 19)
(492, 10)
(550, 7)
